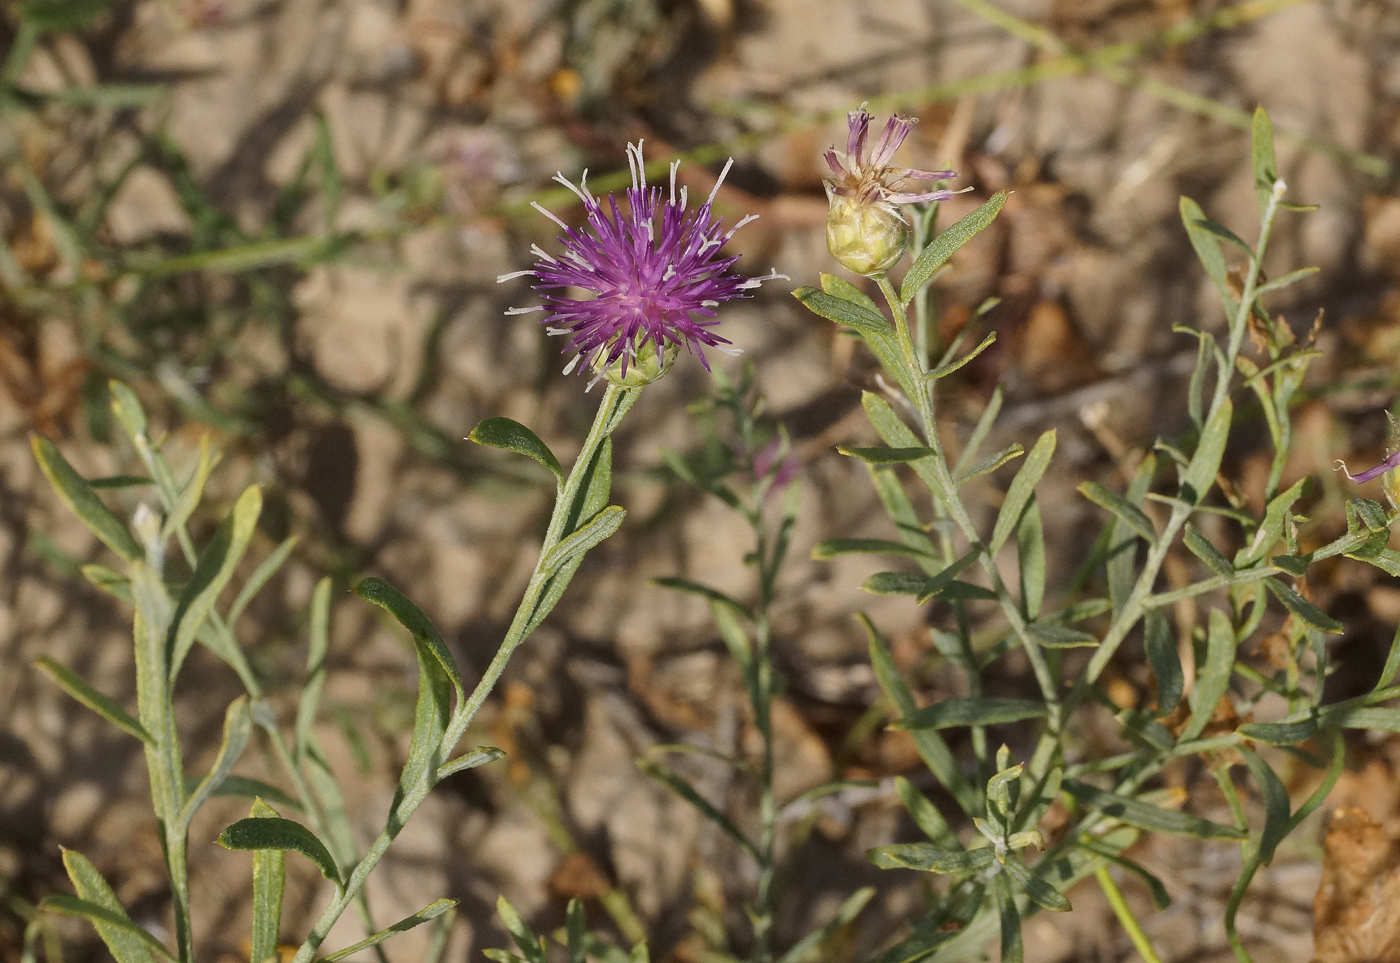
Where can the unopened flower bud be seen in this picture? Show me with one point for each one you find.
(865, 237)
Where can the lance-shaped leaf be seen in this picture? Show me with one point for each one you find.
(102, 918)
(82, 501)
(705, 592)
(886, 456)
(430, 912)
(945, 245)
(925, 814)
(241, 787)
(530, 943)
(124, 938)
(673, 781)
(1052, 636)
(1199, 476)
(1270, 530)
(107, 708)
(1201, 547)
(127, 409)
(852, 314)
(593, 532)
(268, 832)
(269, 880)
(188, 499)
(1126, 511)
(1040, 892)
(865, 546)
(944, 370)
(1160, 899)
(1022, 489)
(928, 858)
(1212, 678)
(1275, 804)
(477, 757)
(513, 436)
(989, 464)
(238, 726)
(1165, 662)
(1261, 149)
(266, 569)
(839, 287)
(1207, 247)
(978, 711)
(216, 566)
(1285, 732)
(319, 646)
(1012, 949)
(1143, 815)
(596, 488)
(1030, 554)
(1301, 607)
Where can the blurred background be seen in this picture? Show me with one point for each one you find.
(281, 222)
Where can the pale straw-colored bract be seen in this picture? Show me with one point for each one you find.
(655, 271)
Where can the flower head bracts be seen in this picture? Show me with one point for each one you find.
(654, 268)
(867, 177)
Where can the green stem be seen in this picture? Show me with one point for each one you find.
(616, 402)
(1126, 919)
(945, 493)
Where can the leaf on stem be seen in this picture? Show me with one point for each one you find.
(1162, 656)
(887, 456)
(1301, 607)
(1275, 804)
(1147, 816)
(127, 942)
(979, 711)
(807, 947)
(1201, 547)
(269, 880)
(269, 832)
(82, 501)
(681, 787)
(1126, 511)
(430, 912)
(1261, 149)
(238, 726)
(945, 245)
(928, 858)
(71, 683)
(1040, 892)
(513, 436)
(588, 536)
(1212, 678)
(1199, 476)
(835, 547)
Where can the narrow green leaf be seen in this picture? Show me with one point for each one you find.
(886, 456)
(378, 592)
(1271, 528)
(1012, 949)
(1207, 247)
(432, 911)
(123, 937)
(1040, 892)
(1368, 514)
(1147, 816)
(1111, 501)
(111, 920)
(839, 287)
(1201, 547)
(1165, 662)
(925, 814)
(1295, 565)
(945, 245)
(1392, 663)
(319, 646)
(1285, 732)
(127, 409)
(269, 880)
(704, 592)
(241, 787)
(1324, 788)
(1030, 554)
(1212, 678)
(1301, 607)
(895, 501)
(896, 583)
(808, 946)
(1362, 717)
(588, 536)
(530, 943)
(215, 568)
(1226, 235)
(930, 745)
(82, 501)
(577, 929)
(928, 858)
(835, 547)
(188, 499)
(944, 370)
(1261, 148)
(267, 832)
(119, 481)
(1052, 636)
(1275, 804)
(513, 436)
(979, 711)
(980, 431)
(238, 726)
(477, 757)
(1160, 898)
(1199, 476)
(107, 708)
(596, 489)
(1021, 490)
(1292, 277)
(852, 314)
(266, 569)
(673, 781)
(989, 464)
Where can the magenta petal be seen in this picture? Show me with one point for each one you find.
(1391, 461)
(858, 125)
(896, 129)
(833, 161)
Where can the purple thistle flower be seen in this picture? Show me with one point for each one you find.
(866, 177)
(655, 270)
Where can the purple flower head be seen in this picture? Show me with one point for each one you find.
(865, 176)
(654, 270)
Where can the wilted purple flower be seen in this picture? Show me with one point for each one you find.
(655, 271)
(1392, 461)
(1386, 470)
(866, 177)
(865, 229)
(767, 466)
